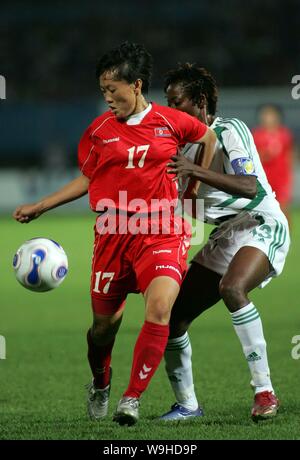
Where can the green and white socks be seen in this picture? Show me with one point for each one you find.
(248, 326)
(178, 358)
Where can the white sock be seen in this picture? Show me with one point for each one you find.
(178, 357)
(248, 326)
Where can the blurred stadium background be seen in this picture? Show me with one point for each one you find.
(49, 50)
(48, 53)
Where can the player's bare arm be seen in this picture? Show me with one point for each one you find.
(243, 186)
(70, 192)
(203, 158)
(207, 152)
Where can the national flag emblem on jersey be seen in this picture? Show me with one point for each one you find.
(249, 167)
(162, 131)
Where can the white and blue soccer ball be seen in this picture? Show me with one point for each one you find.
(40, 264)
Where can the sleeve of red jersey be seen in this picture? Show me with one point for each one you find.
(87, 159)
(190, 129)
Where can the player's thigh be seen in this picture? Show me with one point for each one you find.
(248, 269)
(199, 291)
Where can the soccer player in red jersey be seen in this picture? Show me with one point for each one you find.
(122, 157)
(274, 143)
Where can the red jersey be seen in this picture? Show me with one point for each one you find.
(117, 156)
(275, 151)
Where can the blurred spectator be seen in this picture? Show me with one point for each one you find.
(274, 143)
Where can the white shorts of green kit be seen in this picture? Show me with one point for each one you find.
(268, 233)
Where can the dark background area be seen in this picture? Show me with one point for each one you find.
(48, 49)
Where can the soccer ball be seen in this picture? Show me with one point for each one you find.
(40, 264)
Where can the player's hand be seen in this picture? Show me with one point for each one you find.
(181, 166)
(27, 212)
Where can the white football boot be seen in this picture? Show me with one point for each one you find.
(97, 400)
(127, 412)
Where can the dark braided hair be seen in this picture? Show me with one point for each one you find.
(129, 62)
(195, 82)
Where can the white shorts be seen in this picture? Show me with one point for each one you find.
(265, 232)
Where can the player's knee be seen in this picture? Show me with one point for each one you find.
(102, 332)
(158, 311)
(177, 329)
(232, 292)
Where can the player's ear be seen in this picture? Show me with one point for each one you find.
(138, 84)
(202, 104)
(202, 101)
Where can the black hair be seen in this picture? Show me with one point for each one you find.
(129, 62)
(196, 82)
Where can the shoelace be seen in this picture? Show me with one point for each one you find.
(97, 393)
(183, 410)
(133, 402)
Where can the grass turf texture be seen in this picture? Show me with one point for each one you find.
(42, 379)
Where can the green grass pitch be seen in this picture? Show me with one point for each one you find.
(43, 376)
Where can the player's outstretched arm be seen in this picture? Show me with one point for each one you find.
(70, 192)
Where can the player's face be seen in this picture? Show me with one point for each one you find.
(178, 100)
(119, 95)
(270, 118)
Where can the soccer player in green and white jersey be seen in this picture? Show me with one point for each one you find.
(246, 249)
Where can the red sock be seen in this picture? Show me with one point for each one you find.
(99, 359)
(147, 355)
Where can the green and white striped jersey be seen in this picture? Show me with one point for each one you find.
(235, 151)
